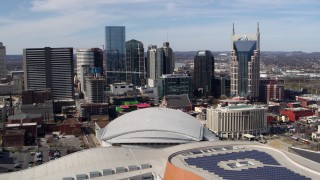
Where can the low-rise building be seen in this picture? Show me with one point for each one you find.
(9, 88)
(316, 135)
(25, 118)
(70, 126)
(150, 92)
(121, 88)
(13, 138)
(295, 113)
(86, 110)
(237, 120)
(310, 119)
(31, 129)
(181, 102)
(45, 109)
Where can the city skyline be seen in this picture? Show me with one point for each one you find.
(188, 25)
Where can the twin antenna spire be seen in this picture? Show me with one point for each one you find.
(233, 32)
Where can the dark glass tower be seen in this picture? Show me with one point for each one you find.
(166, 58)
(203, 73)
(135, 63)
(115, 53)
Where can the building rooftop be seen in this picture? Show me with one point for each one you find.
(240, 107)
(177, 100)
(71, 121)
(24, 116)
(11, 132)
(23, 124)
(153, 125)
(174, 76)
(165, 161)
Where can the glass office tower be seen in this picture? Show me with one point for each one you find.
(135, 63)
(115, 53)
(203, 73)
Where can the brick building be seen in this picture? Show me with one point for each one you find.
(181, 102)
(24, 120)
(295, 113)
(13, 138)
(36, 96)
(70, 126)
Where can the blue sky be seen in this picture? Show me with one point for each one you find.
(285, 25)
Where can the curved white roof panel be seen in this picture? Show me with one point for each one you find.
(153, 125)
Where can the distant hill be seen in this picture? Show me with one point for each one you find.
(14, 58)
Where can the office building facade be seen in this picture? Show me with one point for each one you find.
(174, 84)
(135, 63)
(115, 53)
(152, 63)
(271, 90)
(159, 61)
(222, 86)
(3, 66)
(236, 120)
(165, 56)
(49, 68)
(88, 58)
(203, 73)
(245, 65)
(95, 89)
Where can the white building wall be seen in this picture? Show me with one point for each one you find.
(120, 88)
(233, 122)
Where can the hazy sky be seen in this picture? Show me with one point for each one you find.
(287, 25)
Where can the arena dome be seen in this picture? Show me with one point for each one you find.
(153, 126)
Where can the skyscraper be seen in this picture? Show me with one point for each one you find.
(203, 72)
(115, 53)
(3, 67)
(245, 65)
(95, 89)
(166, 58)
(152, 63)
(160, 61)
(49, 68)
(135, 63)
(88, 58)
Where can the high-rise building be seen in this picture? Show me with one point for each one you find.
(245, 65)
(166, 57)
(153, 64)
(89, 58)
(135, 63)
(95, 89)
(49, 68)
(3, 67)
(203, 73)
(115, 53)
(159, 61)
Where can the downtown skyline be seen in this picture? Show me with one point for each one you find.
(191, 25)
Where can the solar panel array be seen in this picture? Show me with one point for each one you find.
(271, 169)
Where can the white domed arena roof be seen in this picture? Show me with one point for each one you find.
(153, 125)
